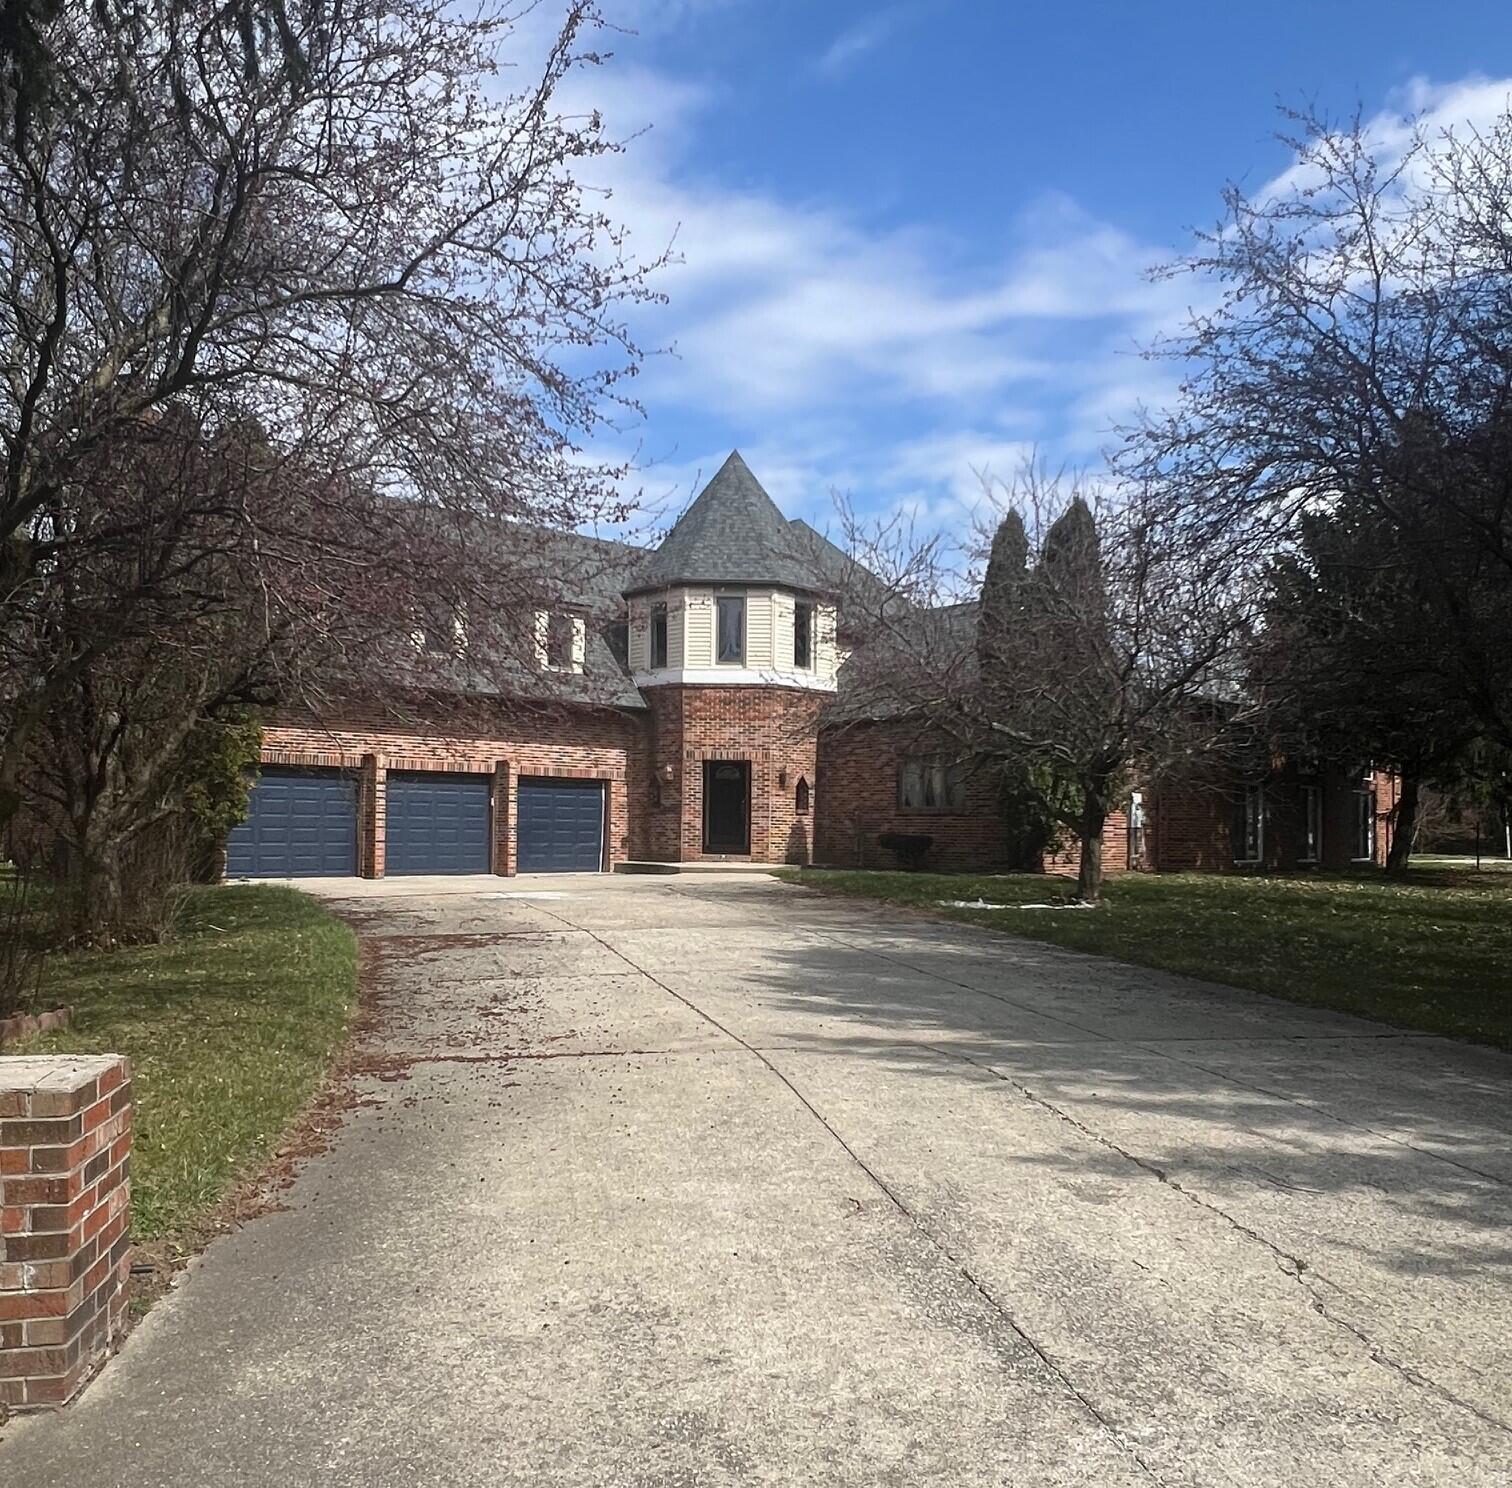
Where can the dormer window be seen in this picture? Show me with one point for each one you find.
(441, 631)
(729, 649)
(561, 639)
(658, 637)
(803, 636)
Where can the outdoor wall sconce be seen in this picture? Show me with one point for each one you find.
(664, 773)
(782, 780)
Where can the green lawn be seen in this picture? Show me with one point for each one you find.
(229, 1028)
(1433, 951)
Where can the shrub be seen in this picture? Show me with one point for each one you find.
(909, 848)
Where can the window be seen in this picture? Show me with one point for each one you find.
(729, 649)
(1364, 826)
(801, 798)
(1249, 825)
(658, 637)
(1311, 846)
(561, 640)
(928, 782)
(440, 632)
(1136, 829)
(803, 636)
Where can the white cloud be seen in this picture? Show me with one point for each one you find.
(891, 362)
(855, 41)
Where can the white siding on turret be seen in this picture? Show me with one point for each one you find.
(676, 628)
(698, 630)
(782, 631)
(640, 635)
(826, 658)
(759, 628)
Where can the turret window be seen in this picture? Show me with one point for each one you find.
(658, 636)
(730, 639)
(803, 637)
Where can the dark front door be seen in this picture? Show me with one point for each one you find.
(727, 806)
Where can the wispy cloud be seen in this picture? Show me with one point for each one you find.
(856, 41)
(890, 361)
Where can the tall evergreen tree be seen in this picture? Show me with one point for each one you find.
(1025, 787)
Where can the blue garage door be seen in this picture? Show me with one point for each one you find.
(300, 824)
(437, 823)
(561, 826)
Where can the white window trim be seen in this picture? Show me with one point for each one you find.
(946, 767)
(1312, 805)
(745, 626)
(666, 629)
(543, 642)
(812, 664)
(1363, 793)
(1259, 855)
(421, 634)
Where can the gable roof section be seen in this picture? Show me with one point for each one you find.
(733, 533)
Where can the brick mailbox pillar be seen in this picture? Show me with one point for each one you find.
(65, 1136)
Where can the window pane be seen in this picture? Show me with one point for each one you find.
(1364, 824)
(955, 787)
(731, 642)
(1312, 827)
(658, 636)
(803, 636)
(911, 786)
(1249, 818)
(559, 640)
(934, 784)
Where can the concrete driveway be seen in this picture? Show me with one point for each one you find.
(698, 1181)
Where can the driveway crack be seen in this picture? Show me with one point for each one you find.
(1292, 1266)
(1087, 1404)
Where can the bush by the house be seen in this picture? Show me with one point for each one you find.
(910, 848)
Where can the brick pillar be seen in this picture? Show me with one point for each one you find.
(65, 1209)
(503, 819)
(372, 817)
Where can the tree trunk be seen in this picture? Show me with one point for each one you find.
(1089, 875)
(1404, 825)
(93, 893)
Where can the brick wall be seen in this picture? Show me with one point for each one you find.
(471, 738)
(773, 728)
(65, 1143)
(858, 798)
(1190, 829)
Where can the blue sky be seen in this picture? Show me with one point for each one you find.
(914, 237)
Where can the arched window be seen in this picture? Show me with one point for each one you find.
(801, 798)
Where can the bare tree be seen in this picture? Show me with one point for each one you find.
(1357, 346)
(335, 225)
(1105, 649)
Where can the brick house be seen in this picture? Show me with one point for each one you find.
(681, 708)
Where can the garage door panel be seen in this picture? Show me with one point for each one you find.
(437, 823)
(300, 824)
(560, 826)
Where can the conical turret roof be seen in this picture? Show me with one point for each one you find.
(733, 533)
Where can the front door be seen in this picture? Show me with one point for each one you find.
(727, 806)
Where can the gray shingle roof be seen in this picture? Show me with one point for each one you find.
(733, 533)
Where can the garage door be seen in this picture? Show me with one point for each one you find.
(437, 823)
(561, 826)
(300, 824)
